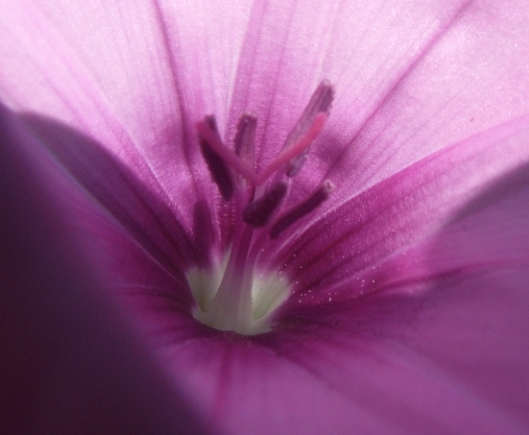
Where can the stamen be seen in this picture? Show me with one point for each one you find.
(297, 148)
(235, 290)
(228, 156)
(258, 213)
(219, 171)
(298, 211)
(320, 102)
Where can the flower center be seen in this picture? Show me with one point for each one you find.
(235, 294)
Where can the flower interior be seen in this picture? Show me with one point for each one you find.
(234, 294)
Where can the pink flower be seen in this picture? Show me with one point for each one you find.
(402, 302)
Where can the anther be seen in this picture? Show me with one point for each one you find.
(219, 171)
(258, 213)
(320, 102)
(229, 157)
(245, 138)
(292, 215)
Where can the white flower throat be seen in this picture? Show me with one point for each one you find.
(234, 294)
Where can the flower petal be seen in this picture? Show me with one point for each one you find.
(350, 250)
(247, 388)
(117, 193)
(447, 304)
(70, 361)
(129, 76)
(465, 75)
(333, 370)
(411, 78)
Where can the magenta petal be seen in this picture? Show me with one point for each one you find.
(409, 79)
(362, 351)
(247, 388)
(445, 354)
(383, 236)
(134, 84)
(368, 365)
(70, 363)
(140, 209)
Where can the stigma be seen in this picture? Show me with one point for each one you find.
(235, 293)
